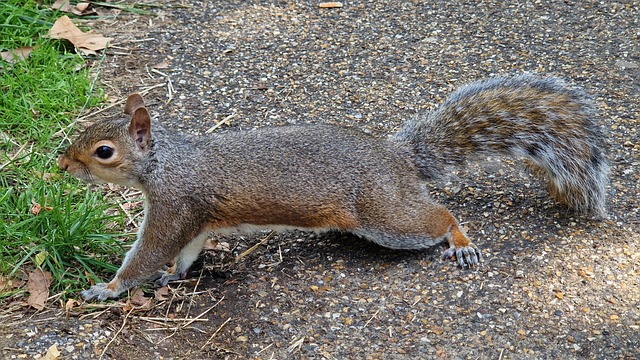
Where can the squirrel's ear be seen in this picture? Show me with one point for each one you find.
(140, 128)
(134, 102)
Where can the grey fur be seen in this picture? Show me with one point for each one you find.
(543, 120)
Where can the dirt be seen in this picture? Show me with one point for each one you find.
(553, 284)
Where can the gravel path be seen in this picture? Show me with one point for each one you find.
(552, 286)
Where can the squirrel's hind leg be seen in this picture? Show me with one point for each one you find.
(467, 254)
(426, 225)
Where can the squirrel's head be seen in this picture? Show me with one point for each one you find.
(109, 150)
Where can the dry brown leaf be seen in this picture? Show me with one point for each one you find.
(38, 285)
(52, 353)
(162, 65)
(86, 43)
(85, 8)
(138, 301)
(71, 303)
(210, 244)
(35, 208)
(162, 293)
(17, 54)
(48, 176)
(79, 9)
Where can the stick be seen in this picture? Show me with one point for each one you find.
(220, 123)
(215, 333)
(251, 249)
(368, 321)
(124, 322)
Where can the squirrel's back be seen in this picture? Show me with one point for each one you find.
(543, 120)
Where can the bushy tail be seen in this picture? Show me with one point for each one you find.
(541, 119)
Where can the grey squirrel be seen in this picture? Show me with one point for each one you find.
(319, 177)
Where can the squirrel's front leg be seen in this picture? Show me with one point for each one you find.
(145, 260)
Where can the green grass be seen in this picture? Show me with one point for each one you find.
(70, 236)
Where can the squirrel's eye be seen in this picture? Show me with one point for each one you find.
(104, 152)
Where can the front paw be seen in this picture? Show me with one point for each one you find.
(468, 256)
(100, 292)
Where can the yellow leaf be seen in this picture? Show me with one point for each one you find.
(41, 257)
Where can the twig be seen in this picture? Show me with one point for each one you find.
(170, 89)
(215, 333)
(296, 344)
(254, 247)
(164, 319)
(268, 346)
(368, 321)
(95, 315)
(124, 322)
(123, 8)
(220, 123)
(15, 156)
(203, 313)
(119, 102)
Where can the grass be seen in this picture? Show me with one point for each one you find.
(47, 220)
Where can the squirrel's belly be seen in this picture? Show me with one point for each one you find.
(252, 228)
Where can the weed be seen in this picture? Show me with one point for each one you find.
(45, 220)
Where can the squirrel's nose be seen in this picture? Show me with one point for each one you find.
(63, 163)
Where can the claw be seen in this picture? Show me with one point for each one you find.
(99, 292)
(467, 257)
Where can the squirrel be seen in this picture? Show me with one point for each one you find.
(321, 177)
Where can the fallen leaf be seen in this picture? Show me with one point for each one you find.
(84, 8)
(17, 54)
(210, 244)
(38, 286)
(41, 257)
(162, 65)
(85, 42)
(52, 353)
(138, 301)
(35, 208)
(80, 9)
(71, 303)
(162, 293)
